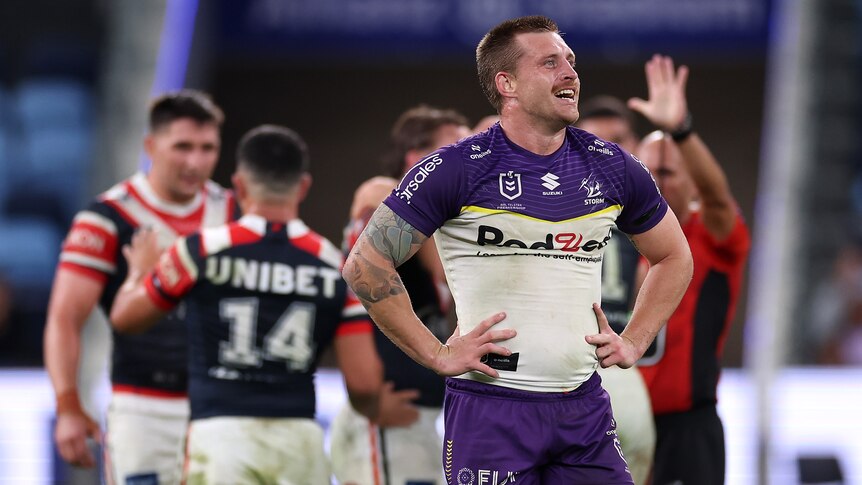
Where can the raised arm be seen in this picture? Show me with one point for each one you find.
(666, 249)
(667, 109)
(388, 241)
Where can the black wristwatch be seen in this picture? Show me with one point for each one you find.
(684, 130)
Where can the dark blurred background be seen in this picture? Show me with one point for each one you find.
(339, 72)
(75, 77)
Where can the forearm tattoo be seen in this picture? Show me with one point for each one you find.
(392, 236)
(373, 283)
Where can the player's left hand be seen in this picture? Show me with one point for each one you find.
(666, 107)
(396, 407)
(143, 253)
(611, 348)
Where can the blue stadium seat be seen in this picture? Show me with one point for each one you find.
(5, 163)
(53, 102)
(50, 177)
(28, 252)
(65, 151)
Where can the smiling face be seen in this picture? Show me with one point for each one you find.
(545, 85)
(184, 154)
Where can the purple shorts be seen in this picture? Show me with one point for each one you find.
(500, 436)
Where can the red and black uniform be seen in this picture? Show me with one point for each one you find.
(683, 380)
(152, 363)
(263, 300)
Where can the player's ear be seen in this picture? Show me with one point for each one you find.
(304, 186)
(149, 145)
(506, 84)
(239, 187)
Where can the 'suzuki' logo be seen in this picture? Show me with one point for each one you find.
(550, 181)
(563, 241)
(418, 174)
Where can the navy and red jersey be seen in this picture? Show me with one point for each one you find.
(262, 301)
(398, 367)
(684, 376)
(619, 271)
(153, 362)
(619, 286)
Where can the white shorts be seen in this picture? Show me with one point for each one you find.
(635, 425)
(145, 439)
(243, 450)
(364, 454)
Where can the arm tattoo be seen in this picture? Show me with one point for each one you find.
(373, 283)
(392, 236)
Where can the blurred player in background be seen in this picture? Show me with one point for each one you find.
(264, 298)
(609, 119)
(683, 375)
(398, 455)
(522, 213)
(485, 123)
(148, 415)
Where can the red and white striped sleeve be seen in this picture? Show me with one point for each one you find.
(174, 275)
(354, 317)
(91, 247)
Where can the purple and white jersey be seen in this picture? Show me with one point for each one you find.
(525, 234)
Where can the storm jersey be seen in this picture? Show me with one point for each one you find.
(684, 375)
(156, 359)
(263, 300)
(525, 234)
(398, 367)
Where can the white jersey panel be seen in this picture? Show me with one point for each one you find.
(496, 260)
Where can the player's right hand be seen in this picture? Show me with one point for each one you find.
(143, 252)
(71, 433)
(463, 353)
(396, 407)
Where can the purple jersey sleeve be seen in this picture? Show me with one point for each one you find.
(643, 205)
(432, 192)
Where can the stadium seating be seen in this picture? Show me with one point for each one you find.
(46, 143)
(46, 102)
(28, 251)
(46, 165)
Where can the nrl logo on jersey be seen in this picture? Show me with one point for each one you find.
(510, 185)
